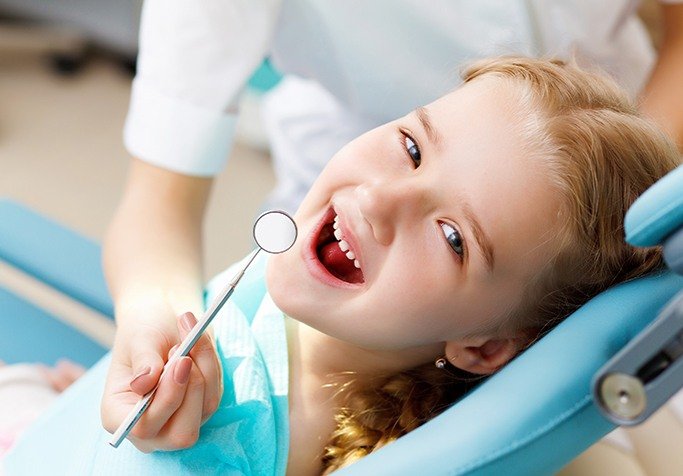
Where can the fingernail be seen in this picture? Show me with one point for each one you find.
(141, 373)
(181, 374)
(188, 321)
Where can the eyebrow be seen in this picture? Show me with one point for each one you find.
(483, 241)
(432, 134)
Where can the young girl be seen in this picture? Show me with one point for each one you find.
(431, 251)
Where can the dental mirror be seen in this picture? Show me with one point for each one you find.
(274, 232)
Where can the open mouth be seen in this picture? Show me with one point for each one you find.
(335, 254)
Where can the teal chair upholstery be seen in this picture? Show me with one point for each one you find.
(62, 259)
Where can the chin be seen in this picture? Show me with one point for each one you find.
(273, 277)
(279, 286)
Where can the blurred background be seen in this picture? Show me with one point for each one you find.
(65, 73)
(66, 68)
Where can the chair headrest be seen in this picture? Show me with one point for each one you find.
(658, 212)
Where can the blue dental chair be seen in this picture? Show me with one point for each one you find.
(614, 361)
(65, 261)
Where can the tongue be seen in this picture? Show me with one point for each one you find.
(338, 264)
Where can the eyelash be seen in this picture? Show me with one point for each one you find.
(404, 136)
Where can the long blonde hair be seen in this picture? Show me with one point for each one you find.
(601, 154)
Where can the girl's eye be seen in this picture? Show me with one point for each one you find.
(412, 149)
(453, 238)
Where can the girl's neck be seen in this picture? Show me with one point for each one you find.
(312, 407)
(319, 368)
(324, 360)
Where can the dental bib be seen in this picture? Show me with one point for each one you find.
(248, 434)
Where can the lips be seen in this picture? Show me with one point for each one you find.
(334, 253)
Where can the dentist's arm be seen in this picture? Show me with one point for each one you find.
(662, 98)
(194, 59)
(152, 259)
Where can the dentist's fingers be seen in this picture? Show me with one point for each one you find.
(140, 347)
(147, 363)
(205, 357)
(182, 430)
(138, 360)
(170, 395)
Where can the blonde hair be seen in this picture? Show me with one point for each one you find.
(601, 154)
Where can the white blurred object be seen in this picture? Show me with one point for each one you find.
(250, 129)
(24, 394)
(676, 404)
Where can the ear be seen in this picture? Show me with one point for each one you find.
(483, 355)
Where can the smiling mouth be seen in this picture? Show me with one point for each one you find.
(335, 253)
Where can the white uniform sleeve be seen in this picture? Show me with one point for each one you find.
(194, 59)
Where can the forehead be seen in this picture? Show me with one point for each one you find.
(488, 159)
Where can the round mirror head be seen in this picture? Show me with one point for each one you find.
(275, 231)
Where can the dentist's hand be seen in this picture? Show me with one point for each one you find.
(187, 396)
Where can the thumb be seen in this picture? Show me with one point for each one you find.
(146, 366)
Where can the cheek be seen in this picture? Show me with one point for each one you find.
(428, 297)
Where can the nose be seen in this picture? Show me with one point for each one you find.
(387, 205)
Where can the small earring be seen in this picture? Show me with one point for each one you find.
(440, 363)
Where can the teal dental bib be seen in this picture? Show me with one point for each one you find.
(248, 434)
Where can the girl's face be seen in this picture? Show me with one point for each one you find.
(443, 212)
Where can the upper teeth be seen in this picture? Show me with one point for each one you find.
(343, 244)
